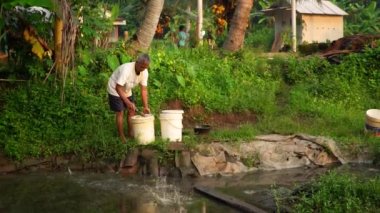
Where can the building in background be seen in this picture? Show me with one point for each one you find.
(316, 22)
(116, 31)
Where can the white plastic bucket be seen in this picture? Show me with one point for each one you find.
(373, 115)
(171, 125)
(143, 128)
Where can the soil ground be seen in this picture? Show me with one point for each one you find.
(198, 115)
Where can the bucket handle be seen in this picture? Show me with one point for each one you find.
(174, 124)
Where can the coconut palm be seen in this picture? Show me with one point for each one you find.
(145, 33)
(238, 25)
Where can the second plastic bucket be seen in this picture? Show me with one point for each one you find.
(171, 125)
(143, 128)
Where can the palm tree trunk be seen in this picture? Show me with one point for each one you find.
(146, 32)
(239, 24)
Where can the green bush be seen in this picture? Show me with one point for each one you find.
(354, 82)
(36, 123)
(260, 38)
(340, 193)
(201, 77)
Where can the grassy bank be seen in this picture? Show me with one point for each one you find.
(339, 193)
(289, 94)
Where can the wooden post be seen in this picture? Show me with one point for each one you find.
(294, 26)
(199, 21)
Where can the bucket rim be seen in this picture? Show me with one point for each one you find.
(140, 118)
(172, 111)
(373, 115)
(171, 116)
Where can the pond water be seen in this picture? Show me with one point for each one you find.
(94, 192)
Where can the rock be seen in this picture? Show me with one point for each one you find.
(6, 165)
(131, 157)
(183, 159)
(129, 170)
(217, 164)
(271, 151)
(191, 172)
(60, 162)
(274, 137)
(148, 153)
(174, 172)
(233, 168)
(177, 146)
(205, 165)
(153, 166)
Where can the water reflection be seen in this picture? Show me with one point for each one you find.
(87, 192)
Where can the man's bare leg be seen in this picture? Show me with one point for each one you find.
(119, 124)
(120, 130)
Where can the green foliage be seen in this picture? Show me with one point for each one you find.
(165, 156)
(349, 83)
(200, 77)
(362, 17)
(260, 38)
(340, 193)
(39, 3)
(37, 124)
(242, 133)
(304, 70)
(251, 161)
(12, 24)
(95, 27)
(319, 98)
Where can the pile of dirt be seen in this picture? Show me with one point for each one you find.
(350, 44)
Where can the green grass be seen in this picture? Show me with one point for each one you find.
(242, 133)
(340, 193)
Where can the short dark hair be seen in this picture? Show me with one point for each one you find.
(143, 58)
(181, 27)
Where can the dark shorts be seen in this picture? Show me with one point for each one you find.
(116, 104)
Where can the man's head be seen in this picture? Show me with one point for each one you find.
(142, 63)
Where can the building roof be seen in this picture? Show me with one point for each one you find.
(310, 7)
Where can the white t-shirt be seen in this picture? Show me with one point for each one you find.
(125, 75)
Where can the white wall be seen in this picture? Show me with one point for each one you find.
(320, 28)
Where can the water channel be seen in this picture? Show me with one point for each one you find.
(97, 192)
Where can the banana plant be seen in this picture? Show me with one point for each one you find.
(7, 5)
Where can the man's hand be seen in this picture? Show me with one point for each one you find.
(131, 106)
(146, 110)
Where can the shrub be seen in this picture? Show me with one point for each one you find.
(340, 193)
(201, 77)
(260, 38)
(36, 123)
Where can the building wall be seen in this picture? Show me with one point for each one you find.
(283, 25)
(321, 28)
(283, 22)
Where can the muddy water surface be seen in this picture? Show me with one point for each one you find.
(90, 192)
